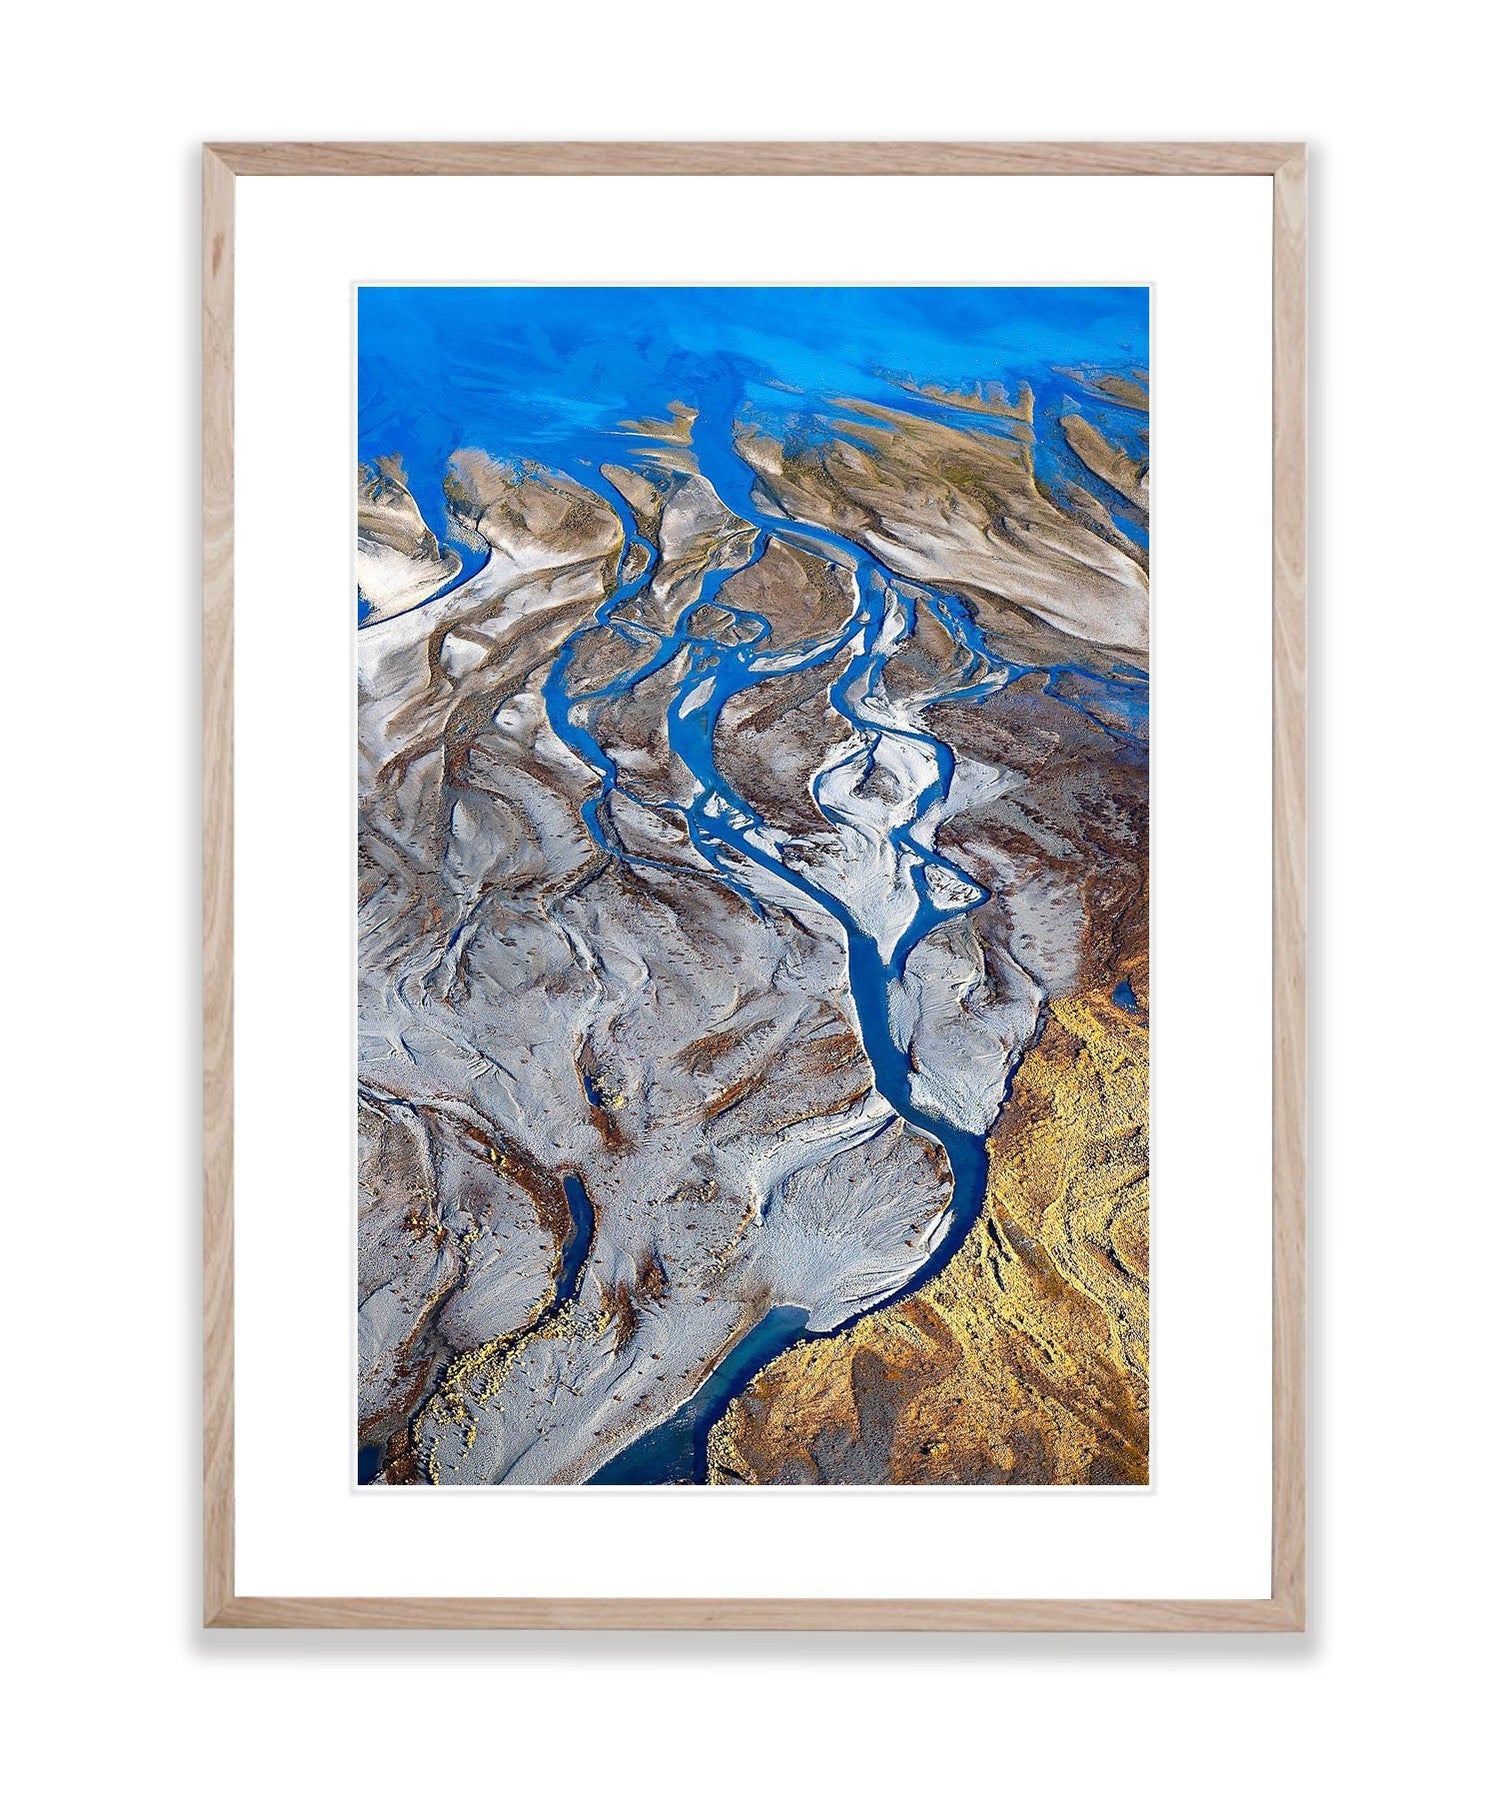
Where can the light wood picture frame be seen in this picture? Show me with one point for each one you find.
(1285, 163)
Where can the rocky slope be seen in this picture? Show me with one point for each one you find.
(1026, 1361)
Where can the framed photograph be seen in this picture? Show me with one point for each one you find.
(754, 886)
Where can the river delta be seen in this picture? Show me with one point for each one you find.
(753, 711)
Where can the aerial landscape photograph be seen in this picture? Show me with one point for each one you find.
(753, 886)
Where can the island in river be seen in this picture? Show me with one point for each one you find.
(753, 886)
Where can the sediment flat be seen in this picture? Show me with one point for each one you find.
(745, 846)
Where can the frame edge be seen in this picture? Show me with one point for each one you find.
(218, 886)
(1107, 1616)
(754, 157)
(1289, 856)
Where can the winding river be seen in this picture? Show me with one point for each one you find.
(726, 829)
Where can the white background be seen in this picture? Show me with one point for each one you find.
(1202, 1531)
(104, 107)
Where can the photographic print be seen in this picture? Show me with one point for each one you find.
(753, 886)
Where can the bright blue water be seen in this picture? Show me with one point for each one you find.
(579, 1238)
(676, 1452)
(547, 374)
